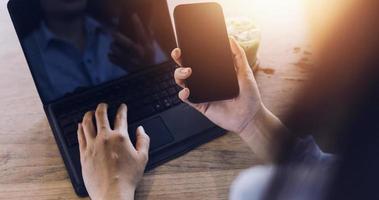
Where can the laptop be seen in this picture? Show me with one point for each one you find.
(82, 53)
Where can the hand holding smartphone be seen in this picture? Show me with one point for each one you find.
(203, 40)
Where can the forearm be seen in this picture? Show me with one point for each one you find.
(264, 134)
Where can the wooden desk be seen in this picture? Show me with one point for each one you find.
(31, 166)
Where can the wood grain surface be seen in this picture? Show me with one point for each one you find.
(31, 166)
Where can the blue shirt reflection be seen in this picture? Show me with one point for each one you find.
(60, 68)
(63, 67)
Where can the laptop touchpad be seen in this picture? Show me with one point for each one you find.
(157, 130)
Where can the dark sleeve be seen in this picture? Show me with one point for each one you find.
(307, 151)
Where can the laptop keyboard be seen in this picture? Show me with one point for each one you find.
(145, 96)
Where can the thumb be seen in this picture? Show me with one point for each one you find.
(142, 143)
(240, 60)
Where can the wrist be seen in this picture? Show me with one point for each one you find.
(262, 134)
(257, 121)
(118, 192)
(125, 195)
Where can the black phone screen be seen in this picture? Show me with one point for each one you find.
(203, 40)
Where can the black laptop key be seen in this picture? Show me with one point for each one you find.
(145, 96)
(164, 85)
(158, 107)
(172, 82)
(136, 114)
(157, 79)
(165, 94)
(167, 77)
(172, 91)
(155, 97)
(166, 103)
(175, 100)
(147, 100)
(145, 111)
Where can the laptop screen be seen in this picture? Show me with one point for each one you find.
(73, 45)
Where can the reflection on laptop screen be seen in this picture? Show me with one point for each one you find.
(81, 43)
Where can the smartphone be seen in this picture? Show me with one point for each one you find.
(203, 39)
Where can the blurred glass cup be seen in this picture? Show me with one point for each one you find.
(248, 35)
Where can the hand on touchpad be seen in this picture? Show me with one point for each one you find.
(157, 130)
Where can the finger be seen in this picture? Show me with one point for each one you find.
(81, 139)
(181, 74)
(176, 55)
(184, 95)
(142, 143)
(102, 121)
(239, 56)
(245, 75)
(88, 127)
(121, 121)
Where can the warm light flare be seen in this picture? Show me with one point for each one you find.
(309, 21)
(252, 8)
(317, 13)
